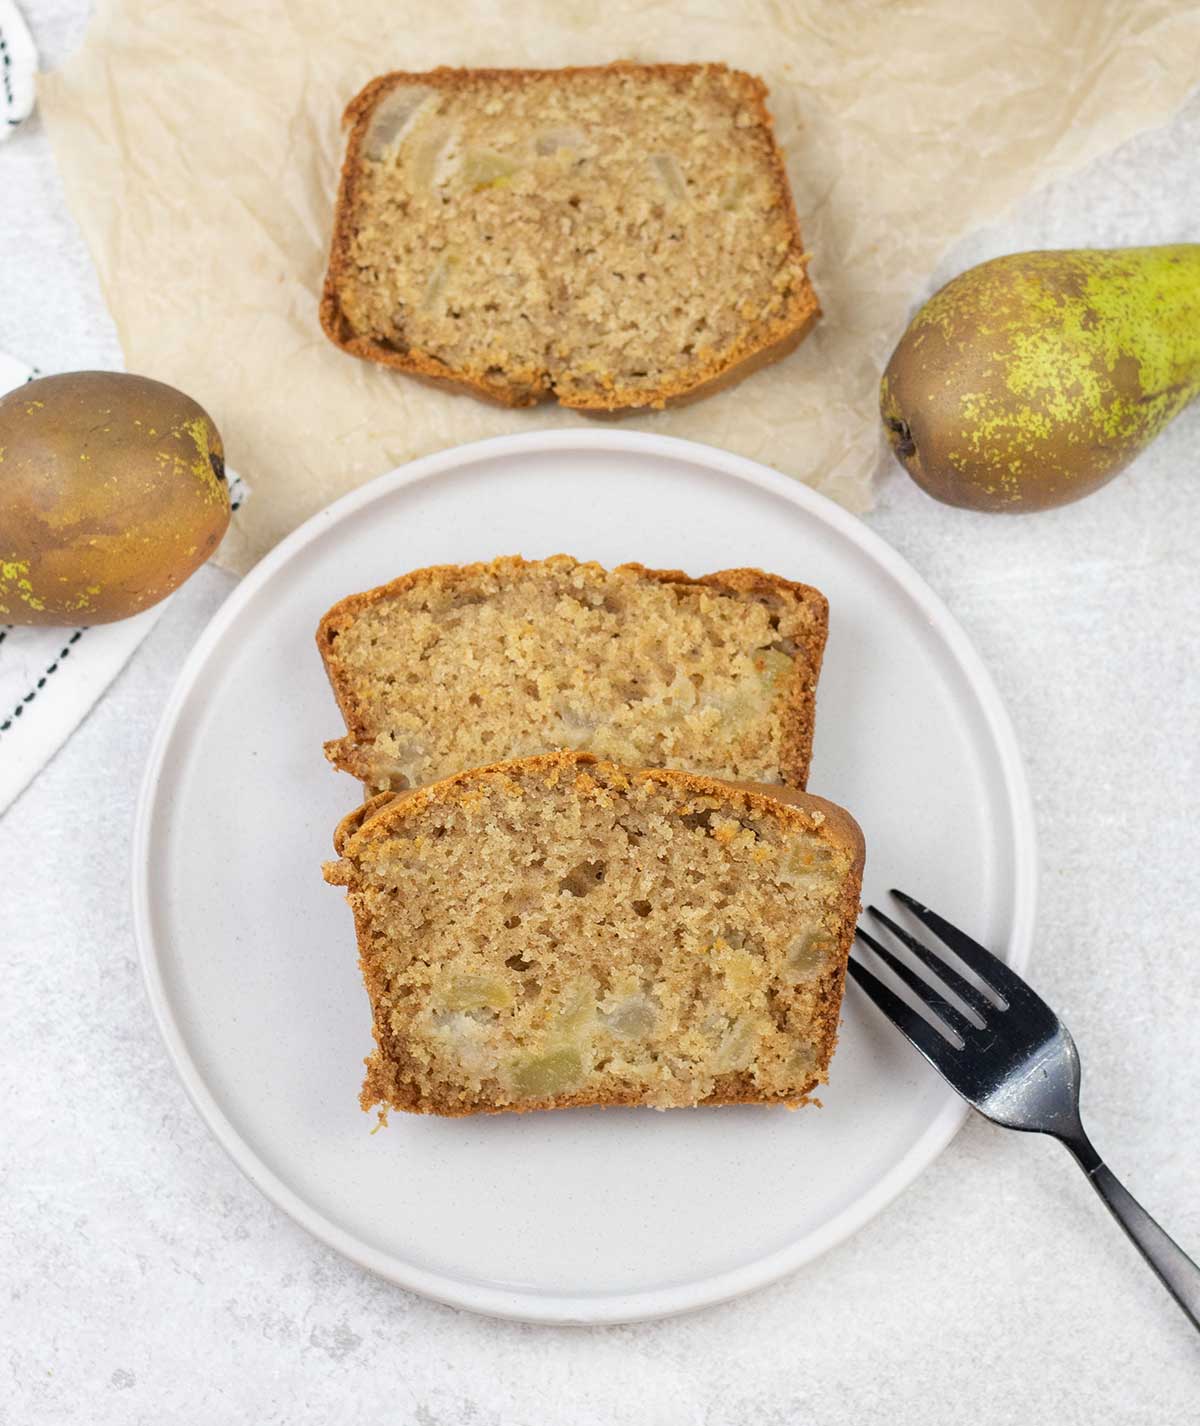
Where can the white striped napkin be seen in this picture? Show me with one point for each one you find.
(50, 678)
(18, 65)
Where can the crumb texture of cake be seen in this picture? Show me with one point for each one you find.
(458, 666)
(558, 931)
(613, 237)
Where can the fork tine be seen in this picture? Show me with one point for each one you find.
(949, 1014)
(939, 966)
(915, 1028)
(991, 969)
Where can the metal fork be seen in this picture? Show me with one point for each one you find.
(1013, 1059)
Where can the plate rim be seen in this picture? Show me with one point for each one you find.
(547, 1308)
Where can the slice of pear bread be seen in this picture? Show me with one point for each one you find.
(461, 665)
(559, 931)
(614, 237)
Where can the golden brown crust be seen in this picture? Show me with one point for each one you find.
(799, 714)
(378, 818)
(755, 352)
(353, 822)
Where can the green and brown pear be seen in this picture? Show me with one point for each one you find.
(1031, 380)
(112, 491)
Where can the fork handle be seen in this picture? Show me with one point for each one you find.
(1175, 1270)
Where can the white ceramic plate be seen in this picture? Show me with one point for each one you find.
(582, 1216)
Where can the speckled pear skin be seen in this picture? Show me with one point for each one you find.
(1031, 380)
(112, 492)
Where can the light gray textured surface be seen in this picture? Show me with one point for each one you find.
(146, 1281)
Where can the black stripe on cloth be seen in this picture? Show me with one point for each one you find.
(6, 70)
(64, 653)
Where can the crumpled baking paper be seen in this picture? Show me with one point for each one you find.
(200, 146)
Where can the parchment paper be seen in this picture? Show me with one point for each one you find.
(200, 144)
